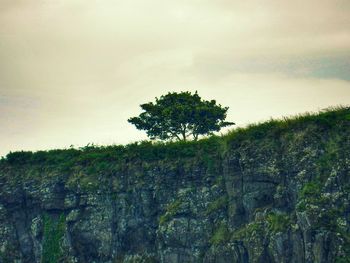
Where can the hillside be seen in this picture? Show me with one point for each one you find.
(272, 192)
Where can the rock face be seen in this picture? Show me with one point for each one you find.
(276, 192)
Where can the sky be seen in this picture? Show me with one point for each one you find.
(73, 71)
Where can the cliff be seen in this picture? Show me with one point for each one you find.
(273, 192)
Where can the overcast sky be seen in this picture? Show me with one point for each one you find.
(74, 71)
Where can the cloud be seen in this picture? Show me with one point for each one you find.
(73, 71)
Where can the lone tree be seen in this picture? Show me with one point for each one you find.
(179, 116)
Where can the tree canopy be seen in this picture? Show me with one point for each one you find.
(180, 116)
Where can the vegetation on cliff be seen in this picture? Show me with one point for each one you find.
(180, 116)
(152, 151)
(278, 190)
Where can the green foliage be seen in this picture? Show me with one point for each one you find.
(218, 204)
(266, 225)
(209, 148)
(325, 119)
(312, 200)
(311, 190)
(21, 157)
(330, 157)
(170, 211)
(52, 238)
(179, 116)
(53, 157)
(117, 154)
(278, 222)
(83, 181)
(342, 259)
(255, 228)
(221, 235)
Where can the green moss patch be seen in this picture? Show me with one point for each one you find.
(52, 239)
(170, 211)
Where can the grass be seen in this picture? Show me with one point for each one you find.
(208, 151)
(324, 119)
(139, 151)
